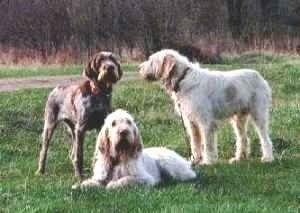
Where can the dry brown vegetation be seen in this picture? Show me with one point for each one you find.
(69, 31)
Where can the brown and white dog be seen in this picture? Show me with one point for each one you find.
(81, 107)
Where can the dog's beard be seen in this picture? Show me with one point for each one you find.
(123, 145)
(107, 78)
(123, 149)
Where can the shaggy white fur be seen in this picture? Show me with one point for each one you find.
(120, 161)
(203, 97)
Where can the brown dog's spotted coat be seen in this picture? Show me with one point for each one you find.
(81, 107)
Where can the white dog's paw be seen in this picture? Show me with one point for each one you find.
(205, 163)
(112, 185)
(76, 186)
(201, 162)
(234, 160)
(266, 159)
(195, 161)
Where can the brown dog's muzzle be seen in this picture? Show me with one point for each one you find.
(108, 75)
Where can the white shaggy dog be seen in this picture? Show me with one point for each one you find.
(203, 97)
(119, 159)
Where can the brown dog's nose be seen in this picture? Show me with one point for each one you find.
(110, 68)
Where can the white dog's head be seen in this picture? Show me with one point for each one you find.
(119, 138)
(166, 66)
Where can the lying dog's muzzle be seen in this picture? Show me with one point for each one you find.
(123, 145)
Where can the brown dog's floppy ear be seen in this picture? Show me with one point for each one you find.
(116, 60)
(120, 71)
(167, 67)
(89, 71)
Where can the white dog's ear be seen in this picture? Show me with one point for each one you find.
(103, 143)
(167, 67)
(138, 143)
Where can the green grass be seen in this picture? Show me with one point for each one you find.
(249, 186)
(49, 70)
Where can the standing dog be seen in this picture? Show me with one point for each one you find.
(119, 159)
(81, 107)
(203, 97)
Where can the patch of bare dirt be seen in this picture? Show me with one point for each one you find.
(14, 84)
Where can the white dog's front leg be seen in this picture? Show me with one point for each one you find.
(129, 181)
(195, 140)
(88, 183)
(122, 182)
(101, 171)
(210, 150)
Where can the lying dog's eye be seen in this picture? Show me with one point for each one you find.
(128, 122)
(113, 123)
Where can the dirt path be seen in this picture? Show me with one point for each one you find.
(13, 84)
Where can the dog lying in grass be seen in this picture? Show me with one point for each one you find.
(81, 107)
(120, 160)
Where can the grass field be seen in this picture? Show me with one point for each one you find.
(249, 186)
(49, 70)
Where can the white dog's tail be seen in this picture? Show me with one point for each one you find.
(171, 163)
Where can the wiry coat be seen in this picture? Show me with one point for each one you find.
(81, 107)
(120, 160)
(203, 97)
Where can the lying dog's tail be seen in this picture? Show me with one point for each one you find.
(171, 163)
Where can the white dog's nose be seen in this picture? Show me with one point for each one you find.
(123, 132)
(141, 66)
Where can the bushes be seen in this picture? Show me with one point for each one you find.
(205, 28)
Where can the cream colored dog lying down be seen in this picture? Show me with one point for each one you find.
(120, 160)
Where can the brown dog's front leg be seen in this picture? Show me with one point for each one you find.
(78, 153)
(47, 134)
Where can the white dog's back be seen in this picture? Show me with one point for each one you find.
(171, 163)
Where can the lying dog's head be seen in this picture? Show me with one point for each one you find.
(103, 68)
(119, 138)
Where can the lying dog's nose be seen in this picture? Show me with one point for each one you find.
(123, 132)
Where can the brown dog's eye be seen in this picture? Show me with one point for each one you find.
(113, 123)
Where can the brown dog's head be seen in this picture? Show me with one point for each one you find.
(103, 69)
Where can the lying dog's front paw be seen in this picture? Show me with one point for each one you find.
(112, 185)
(76, 186)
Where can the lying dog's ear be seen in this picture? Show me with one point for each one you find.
(167, 67)
(137, 143)
(103, 143)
